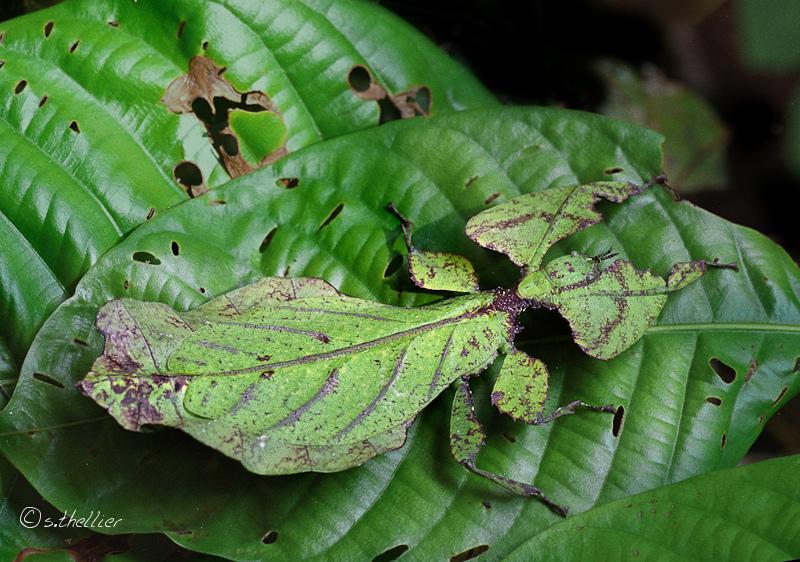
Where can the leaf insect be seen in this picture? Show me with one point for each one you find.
(288, 375)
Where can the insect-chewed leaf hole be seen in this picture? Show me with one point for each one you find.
(724, 439)
(388, 111)
(612, 171)
(619, 418)
(270, 537)
(113, 23)
(359, 78)
(780, 397)
(202, 290)
(491, 198)
(509, 437)
(288, 183)
(267, 240)
(176, 250)
(392, 554)
(80, 342)
(725, 372)
(470, 181)
(48, 28)
(151, 213)
(74, 46)
(393, 265)
(332, 215)
(470, 553)
(486, 505)
(188, 175)
(204, 45)
(179, 31)
(423, 98)
(42, 101)
(714, 400)
(146, 257)
(73, 125)
(20, 86)
(2, 63)
(47, 380)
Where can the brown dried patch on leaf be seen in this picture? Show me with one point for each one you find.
(206, 94)
(751, 370)
(414, 102)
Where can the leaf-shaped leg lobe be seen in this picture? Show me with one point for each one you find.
(466, 439)
(437, 271)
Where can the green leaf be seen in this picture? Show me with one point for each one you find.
(439, 172)
(695, 138)
(521, 387)
(747, 513)
(90, 151)
(768, 35)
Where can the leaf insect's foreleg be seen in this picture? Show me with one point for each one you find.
(466, 439)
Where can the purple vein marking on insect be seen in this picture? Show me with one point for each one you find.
(438, 373)
(247, 395)
(275, 328)
(337, 312)
(328, 386)
(218, 346)
(398, 367)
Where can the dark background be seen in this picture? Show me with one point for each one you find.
(542, 52)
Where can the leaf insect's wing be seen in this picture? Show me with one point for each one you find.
(608, 309)
(288, 375)
(437, 271)
(525, 227)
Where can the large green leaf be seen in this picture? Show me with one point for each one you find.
(768, 35)
(89, 150)
(747, 513)
(681, 418)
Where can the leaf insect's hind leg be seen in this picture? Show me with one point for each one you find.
(570, 408)
(466, 439)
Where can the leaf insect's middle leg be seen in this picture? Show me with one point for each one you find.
(570, 408)
(466, 439)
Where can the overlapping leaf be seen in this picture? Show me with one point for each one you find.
(89, 151)
(680, 417)
(746, 513)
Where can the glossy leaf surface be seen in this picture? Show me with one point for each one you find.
(729, 336)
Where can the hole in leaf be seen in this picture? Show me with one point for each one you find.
(780, 396)
(796, 366)
(491, 198)
(423, 99)
(204, 45)
(714, 400)
(146, 257)
(393, 265)
(2, 36)
(388, 111)
(74, 126)
(202, 290)
(181, 25)
(189, 176)
(74, 46)
(470, 181)
(359, 78)
(288, 183)
(616, 424)
(229, 144)
(216, 202)
(20, 86)
(392, 554)
(724, 439)
(267, 240)
(2, 63)
(42, 101)
(469, 554)
(113, 23)
(48, 380)
(612, 171)
(150, 214)
(486, 504)
(48, 28)
(80, 342)
(332, 215)
(724, 372)
(176, 250)
(125, 285)
(270, 537)
(508, 437)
